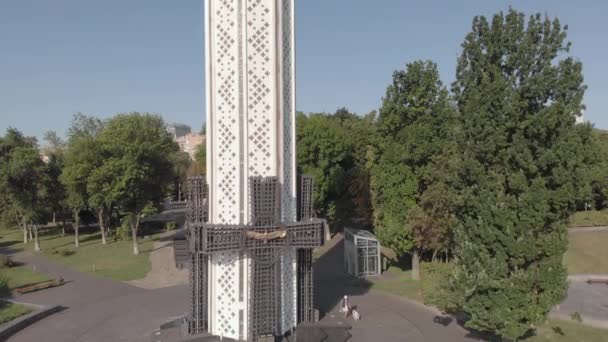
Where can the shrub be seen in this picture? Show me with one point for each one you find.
(4, 288)
(123, 232)
(63, 252)
(169, 226)
(67, 252)
(434, 277)
(5, 261)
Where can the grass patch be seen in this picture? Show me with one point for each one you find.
(10, 311)
(564, 331)
(398, 281)
(590, 218)
(22, 275)
(114, 260)
(587, 253)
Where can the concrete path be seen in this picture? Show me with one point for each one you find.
(163, 272)
(590, 301)
(384, 317)
(103, 310)
(98, 309)
(577, 230)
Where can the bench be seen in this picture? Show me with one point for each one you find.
(39, 286)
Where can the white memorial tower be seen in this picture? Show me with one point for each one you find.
(250, 88)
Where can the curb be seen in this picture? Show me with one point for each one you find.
(20, 323)
(585, 277)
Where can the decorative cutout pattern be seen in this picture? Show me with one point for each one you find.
(225, 61)
(288, 193)
(260, 85)
(226, 294)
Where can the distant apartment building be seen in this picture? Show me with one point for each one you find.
(190, 142)
(179, 130)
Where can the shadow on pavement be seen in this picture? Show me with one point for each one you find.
(331, 282)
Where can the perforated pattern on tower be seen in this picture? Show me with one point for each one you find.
(305, 198)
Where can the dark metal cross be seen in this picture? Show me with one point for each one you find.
(262, 240)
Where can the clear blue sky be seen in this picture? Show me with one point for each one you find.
(101, 57)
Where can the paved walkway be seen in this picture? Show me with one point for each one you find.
(384, 317)
(98, 309)
(163, 272)
(104, 310)
(577, 230)
(590, 301)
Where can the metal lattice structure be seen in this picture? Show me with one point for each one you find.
(267, 242)
(361, 253)
(305, 205)
(250, 233)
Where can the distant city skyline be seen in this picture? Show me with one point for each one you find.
(106, 57)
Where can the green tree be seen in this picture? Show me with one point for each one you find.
(22, 182)
(322, 153)
(137, 151)
(56, 191)
(596, 152)
(181, 164)
(415, 133)
(518, 170)
(82, 158)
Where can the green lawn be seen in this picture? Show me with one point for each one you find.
(564, 331)
(588, 253)
(114, 260)
(590, 218)
(10, 311)
(22, 275)
(397, 281)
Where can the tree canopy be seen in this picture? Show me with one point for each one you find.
(518, 172)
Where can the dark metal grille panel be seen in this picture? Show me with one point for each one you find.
(199, 320)
(265, 291)
(264, 201)
(264, 240)
(198, 200)
(305, 198)
(305, 287)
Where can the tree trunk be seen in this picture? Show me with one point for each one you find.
(101, 226)
(415, 265)
(54, 217)
(36, 241)
(62, 223)
(22, 226)
(29, 230)
(134, 226)
(76, 227)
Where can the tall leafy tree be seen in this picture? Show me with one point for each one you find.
(323, 151)
(414, 128)
(519, 167)
(82, 157)
(55, 190)
(22, 182)
(332, 148)
(137, 151)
